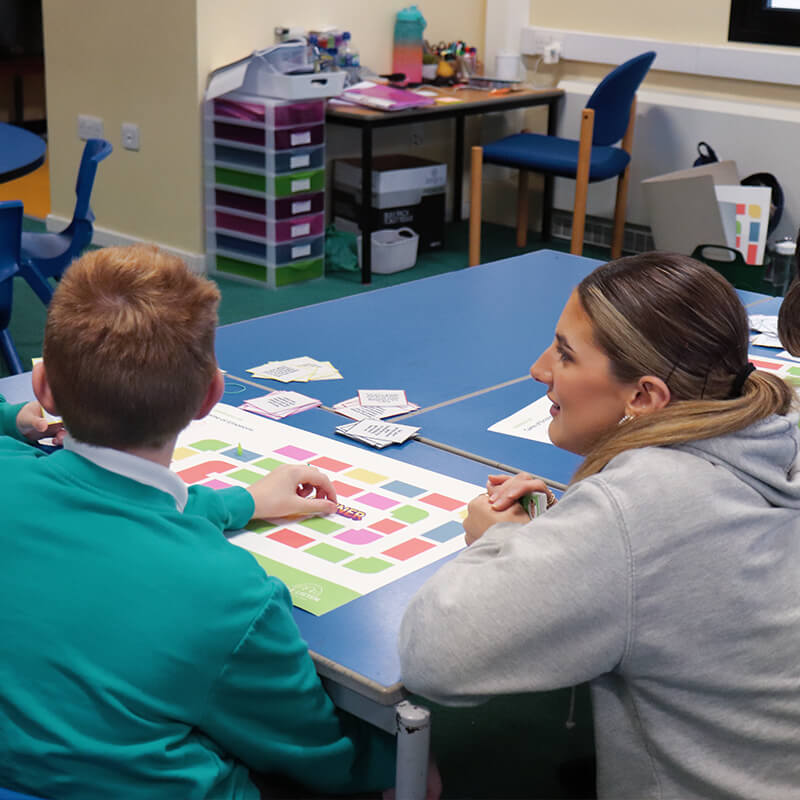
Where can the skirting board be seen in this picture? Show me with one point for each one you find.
(103, 237)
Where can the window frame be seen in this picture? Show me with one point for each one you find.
(751, 21)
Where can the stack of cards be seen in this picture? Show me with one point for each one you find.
(375, 404)
(301, 369)
(277, 405)
(376, 433)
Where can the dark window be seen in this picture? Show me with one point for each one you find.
(765, 21)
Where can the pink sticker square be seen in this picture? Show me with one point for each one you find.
(354, 536)
(215, 484)
(330, 464)
(408, 549)
(377, 501)
(297, 453)
(345, 489)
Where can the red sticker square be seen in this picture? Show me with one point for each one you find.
(752, 252)
(345, 489)
(408, 549)
(740, 208)
(440, 501)
(387, 526)
(291, 538)
(330, 464)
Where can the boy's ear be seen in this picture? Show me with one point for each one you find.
(41, 388)
(215, 390)
(651, 394)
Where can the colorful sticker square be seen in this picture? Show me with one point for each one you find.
(328, 552)
(366, 476)
(297, 453)
(345, 489)
(409, 514)
(358, 536)
(215, 484)
(245, 476)
(210, 444)
(260, 526)
(440, 501)
(404, 489)
(180, 453)
(368, 566)
(387, 526)
(446, 532)
(198, 472)
(408, 549)
(330, 464)
(244, 455)
(376, 501)
(321, 525)
(268, 464)
(290, 538)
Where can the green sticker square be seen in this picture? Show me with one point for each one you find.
(368, 565)
(409, 514)
(209, 444)
(259, 526)
(268, 464)
(321, 525)
(245, 475)
(328, 552)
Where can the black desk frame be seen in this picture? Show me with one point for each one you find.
(457, 111)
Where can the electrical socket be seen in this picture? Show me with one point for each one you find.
(89, 127)
(552, 52)
(130, 135)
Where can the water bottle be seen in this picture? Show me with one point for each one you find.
(348, 55)
(407, 55)
(781, 266)
(313, 51)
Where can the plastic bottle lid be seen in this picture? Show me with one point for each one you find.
(786, 247)
(346, 35)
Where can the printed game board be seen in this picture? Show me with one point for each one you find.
(393, 518)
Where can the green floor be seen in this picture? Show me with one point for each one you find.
(515, 747)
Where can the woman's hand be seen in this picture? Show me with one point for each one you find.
(505, 490)
(34, 426)
(481, 516)
(293, 490)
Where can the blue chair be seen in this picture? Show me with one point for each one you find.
(608, 117)
(10, 233)
(47, 255)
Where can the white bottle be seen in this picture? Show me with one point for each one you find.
(348, 55)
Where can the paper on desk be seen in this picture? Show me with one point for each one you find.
(766, 340)
(531, 422)
(765, 323)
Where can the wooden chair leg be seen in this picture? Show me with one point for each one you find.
(475, 206)
(582, 181)
(623, 181)
(522, 208)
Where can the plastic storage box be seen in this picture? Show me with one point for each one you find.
(393, 250)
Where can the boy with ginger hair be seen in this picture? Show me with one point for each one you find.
(141, 654)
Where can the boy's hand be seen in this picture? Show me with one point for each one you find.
(482, 515)
(293, 490)
(505, 490)
(33, 426)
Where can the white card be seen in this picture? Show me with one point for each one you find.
(382, 397)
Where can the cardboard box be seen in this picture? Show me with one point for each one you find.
(406, 192)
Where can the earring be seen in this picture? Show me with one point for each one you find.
(626, 418)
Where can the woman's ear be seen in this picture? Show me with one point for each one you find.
(651, 394)
(41, 388)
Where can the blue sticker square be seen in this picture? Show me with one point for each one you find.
(445, 532)
(404, 489)
(245, 455)
(755, 229)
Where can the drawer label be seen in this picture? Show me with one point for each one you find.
(301, 250)
(295, 162)
(302, 185)
(300, 230)
(303, 137)
(301, 207)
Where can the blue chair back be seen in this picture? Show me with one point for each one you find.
(612, 99)
(94, 151)
(10, 237)
(8, 794)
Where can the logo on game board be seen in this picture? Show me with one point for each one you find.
(350, 513)
(308, 591)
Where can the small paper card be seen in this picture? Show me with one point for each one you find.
(382, 397)
(278, 405)
(377, 433)
(353, 409)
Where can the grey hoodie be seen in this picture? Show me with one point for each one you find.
(671, 582)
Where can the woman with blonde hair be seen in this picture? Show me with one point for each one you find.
(667, 575)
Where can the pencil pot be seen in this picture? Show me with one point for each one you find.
(407, 53)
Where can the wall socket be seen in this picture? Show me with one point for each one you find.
(89, 127)
(551, 53)
(130, 135)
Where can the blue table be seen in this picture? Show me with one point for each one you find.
(21, 152)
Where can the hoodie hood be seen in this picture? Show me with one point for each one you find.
(765, 456)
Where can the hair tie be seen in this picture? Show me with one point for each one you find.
(738, 381)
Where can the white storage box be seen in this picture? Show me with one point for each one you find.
(393, 250)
